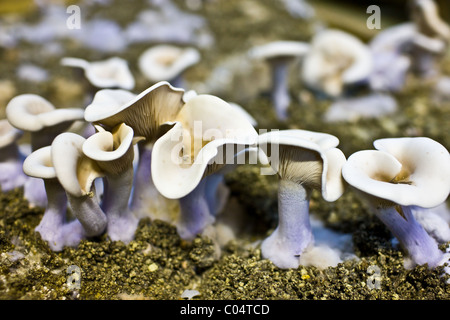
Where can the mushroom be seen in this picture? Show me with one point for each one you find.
(400, 174)
(167, 63)
(279, 55)
(11, 173)
(76, 173)
(431, 38)
(113, 152)
(53, 227)
(335, 60)
(201, 142)
(144, 113)
(34, 114)
(304, 161)
(111, 73)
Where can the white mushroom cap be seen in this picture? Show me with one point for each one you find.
(406, 171)
(144, 112)
(336, 58)
(39, 164)
(74, 170)
(8, 133)
(165, 62)
(323, 144)
(30, 112)
(190, 149)
(279, 49)
(113, 151)
(110, 73)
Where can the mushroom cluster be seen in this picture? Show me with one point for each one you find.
(163, 153)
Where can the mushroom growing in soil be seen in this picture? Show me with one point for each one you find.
(34, 114)
(144, 113)
(336, 60)
(279, 55)
(400, 174)
(201, 142)
(43, 122)
(53, 227)
(167, 63)
(304, 161)
(77, 173)
(113, 152)
(11, 159)
(111, 73)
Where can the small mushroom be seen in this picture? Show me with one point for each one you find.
(400, 174)
(11, 159)
(53, 227)
(336, 59)
(167, 63)
(201, 142)
(34, 114)
(113, 152)
(304, 160)
(279, 55)
(111, 73)
(76, 173)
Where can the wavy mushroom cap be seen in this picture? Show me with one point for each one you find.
(306, 157)
(165, 62)
(279, 49)
(113, 151)
(336, 58)
(8, 133)
(144, 112)
(74, 170)
(110, 73)
(30, 112)
(201, 141)
(405, 171)
(39, 164)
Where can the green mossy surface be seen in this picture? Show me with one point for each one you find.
(158, 264)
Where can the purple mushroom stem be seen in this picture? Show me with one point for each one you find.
(142, 176)
(122, 223)
(293, 233)
(419, 245)
(280, 93)
(11, 172)
(89, 213)
(213, 194)
(54, 217)
(195, 212)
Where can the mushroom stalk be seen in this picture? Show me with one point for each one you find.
(215, 194)
(142, 177)
(11, 173)
(419, 245)
(51, 224)
(88, 211)
(280, 93)
(195, 212)
(178, 81)
(121, 221)
(293, 233)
